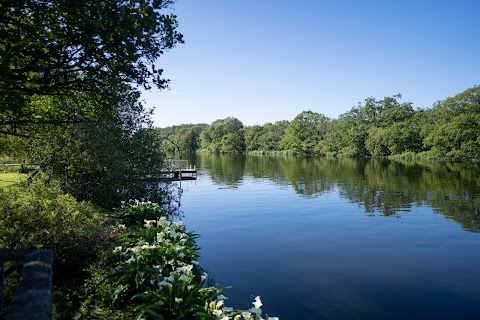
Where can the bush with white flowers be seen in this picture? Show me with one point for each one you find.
(158, 274)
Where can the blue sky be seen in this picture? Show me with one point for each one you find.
(268, 60)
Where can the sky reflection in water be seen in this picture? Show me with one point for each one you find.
(330, 239)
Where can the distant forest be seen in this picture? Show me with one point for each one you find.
(450, 129)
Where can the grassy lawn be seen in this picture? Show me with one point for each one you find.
(10, 178)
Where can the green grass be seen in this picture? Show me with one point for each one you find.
(8, 179)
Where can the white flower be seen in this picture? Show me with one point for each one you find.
(117, 249)
(273, 318)
(222, 297)
(195, 262)
(204, 276)
(148, 223)
(184, 278)
(186, 269)
(217, 312)
(173, 234)
(257, 303)
(227, 309)
(134, 249)
(220, 303)
(226, 318)
(247, 315)
(160, 236)
(178, 300)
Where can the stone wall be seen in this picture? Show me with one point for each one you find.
(33, 296)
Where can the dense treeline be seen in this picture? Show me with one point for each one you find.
(378, 128)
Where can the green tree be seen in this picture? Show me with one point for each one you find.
(273, 135)
(224, 135)
(365, 130)
(56, 48)
(232, 143)
(306, 133)
(104, 161)
(253, 135)
(455, 132)
(188, 138)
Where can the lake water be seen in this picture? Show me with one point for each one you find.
(339, 238)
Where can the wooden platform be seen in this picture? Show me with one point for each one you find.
(178, 170)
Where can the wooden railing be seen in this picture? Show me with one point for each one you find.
(176, 165)
(33, 296)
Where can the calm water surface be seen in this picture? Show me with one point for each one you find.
(340, 239)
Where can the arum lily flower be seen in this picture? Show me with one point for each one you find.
(148, 223)
(246, 315)
(184, 278)
(217, 312)
(257, 303)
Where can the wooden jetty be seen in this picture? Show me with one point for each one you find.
(178, 170)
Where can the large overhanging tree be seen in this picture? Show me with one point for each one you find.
(58, 47)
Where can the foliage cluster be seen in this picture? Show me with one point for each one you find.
(39, 215)
(378, 128)
(185, 136)
(70, 73)
(54, 48)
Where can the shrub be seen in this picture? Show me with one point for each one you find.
(39, 216)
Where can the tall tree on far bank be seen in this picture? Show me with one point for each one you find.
(306, 134)
(371, 128)
(224, 135)
(455, 130)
